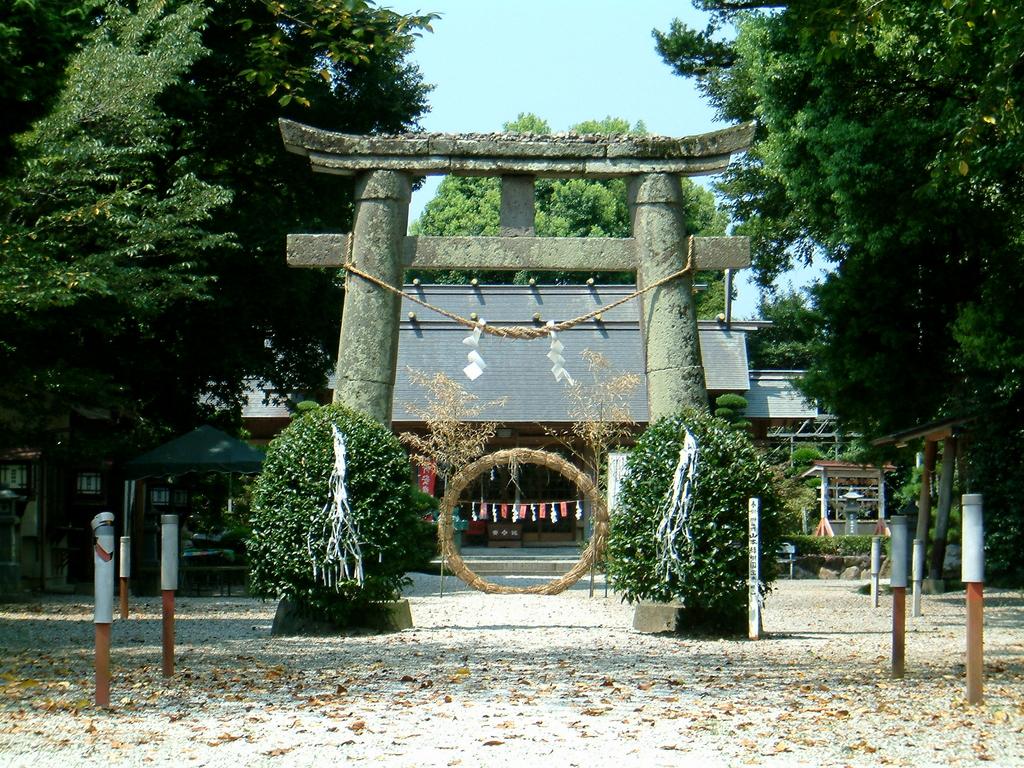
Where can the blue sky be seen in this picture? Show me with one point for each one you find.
(564, 60)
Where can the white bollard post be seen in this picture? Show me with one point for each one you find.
(103, 615)
(972, 572)
(125, 569)
(898, 583)
(918, 564)
(168, 584)
(876, 567)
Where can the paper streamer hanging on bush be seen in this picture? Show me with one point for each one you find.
(340, 558)
(674, 528)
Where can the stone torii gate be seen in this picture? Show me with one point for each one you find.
(384, 166)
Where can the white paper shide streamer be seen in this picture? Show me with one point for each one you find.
(556, 358)
(674, 528)
(341, 557)
(476, 365)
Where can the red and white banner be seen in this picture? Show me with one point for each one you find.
(426, 478)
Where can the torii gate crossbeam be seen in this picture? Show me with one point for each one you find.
(378, 245)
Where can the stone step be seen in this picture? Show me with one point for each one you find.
(517, 567)
(529, 567)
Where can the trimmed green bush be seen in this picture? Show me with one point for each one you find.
(831, 545)
(713, 586)
(291, 492)
(730, 408)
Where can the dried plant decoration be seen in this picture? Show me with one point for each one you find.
(452, 438)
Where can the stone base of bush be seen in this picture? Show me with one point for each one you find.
(673, 617)
(655, 618)
(392, 616)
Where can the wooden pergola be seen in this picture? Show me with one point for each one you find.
(950, 432)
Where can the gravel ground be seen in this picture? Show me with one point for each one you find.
(512, 681)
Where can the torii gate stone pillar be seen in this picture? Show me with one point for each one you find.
(368, 350)
(675, 375)
(383, 167)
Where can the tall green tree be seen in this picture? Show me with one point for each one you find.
(210, 302)
(890, 144)
(104, 235)
(790, 341)
(564, 208)
(36, 39)
(341, 67)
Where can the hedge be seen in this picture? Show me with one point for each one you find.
(831, 545)
(713, 585)
(291, 492)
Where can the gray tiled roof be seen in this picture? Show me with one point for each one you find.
(261, 402)
(519, 371)
(773, 395)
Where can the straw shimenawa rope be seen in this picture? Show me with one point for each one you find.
(463, 479)
(521, 331)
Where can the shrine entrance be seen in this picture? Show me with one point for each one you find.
(377, 252)
(513, 458)
(522, 506)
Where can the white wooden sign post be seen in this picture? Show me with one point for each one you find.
(876, 567)
(616, 473)
(754, 567)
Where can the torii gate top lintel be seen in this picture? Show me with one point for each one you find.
(379, 249)
(493, 154)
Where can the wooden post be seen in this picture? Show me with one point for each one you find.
(973, 574)
(103, 666)
(898, 582)
(975, 642)
(167, 633)
(899, 630)
(103, 615)
(168, 584)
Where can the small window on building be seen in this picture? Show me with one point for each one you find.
(88, 484)
(160, 496)
(14, 476)
(180, 498)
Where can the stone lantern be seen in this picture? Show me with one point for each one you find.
(851, 508)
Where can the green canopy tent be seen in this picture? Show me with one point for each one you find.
(205, 449)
